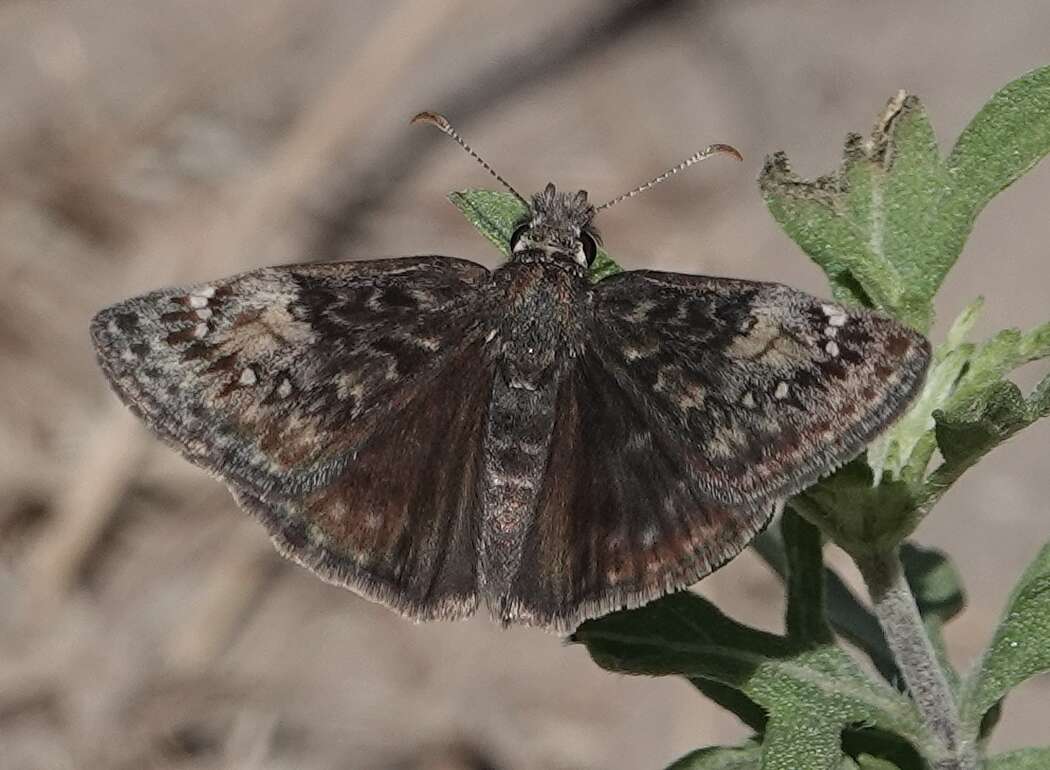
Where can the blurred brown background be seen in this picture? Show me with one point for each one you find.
(144, 621)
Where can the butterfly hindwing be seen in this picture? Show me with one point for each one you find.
(344, 403)
(397, 524)
(769, 387)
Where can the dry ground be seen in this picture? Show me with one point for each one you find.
(144, 622)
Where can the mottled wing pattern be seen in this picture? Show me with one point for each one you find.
(316, 392)
(771, 388)
(697, 406)
(619, 519)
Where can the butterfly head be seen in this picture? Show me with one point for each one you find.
(558, 227)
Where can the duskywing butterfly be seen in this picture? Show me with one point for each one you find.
(434, 435)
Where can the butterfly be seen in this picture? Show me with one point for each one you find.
(438, 436)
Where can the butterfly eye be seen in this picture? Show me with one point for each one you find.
(590, 247)
(516, 235)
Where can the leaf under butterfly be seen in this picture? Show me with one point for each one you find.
(495, 213)
(811, 693)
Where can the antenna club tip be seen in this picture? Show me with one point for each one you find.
(433, 118)
(726, 149)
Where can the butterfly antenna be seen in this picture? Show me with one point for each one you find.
(705, 153)
(442, 123)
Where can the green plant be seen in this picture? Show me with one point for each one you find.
(886, 228)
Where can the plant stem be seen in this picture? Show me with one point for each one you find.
(895, 607)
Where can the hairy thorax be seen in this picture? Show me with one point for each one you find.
(543, 321)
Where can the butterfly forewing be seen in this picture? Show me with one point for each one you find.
(273, 378)
(769, 387)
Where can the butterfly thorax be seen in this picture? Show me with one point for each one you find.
(541, 322)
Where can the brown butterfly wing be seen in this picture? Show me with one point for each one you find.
(316, 392)
(697, 406)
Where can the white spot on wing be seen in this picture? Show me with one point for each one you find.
(204, 313)
(748, 400)
(832, 348)
(200, 330)
(248, 377)
(836, 315)
(781, 392)
(649, 536)
(641, 311)
(285, 388)
(429, 343)
(197, 301)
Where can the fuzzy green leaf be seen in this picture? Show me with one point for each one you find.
(1008, 137)
(971, 428)
(814, 214)
(495, 214)
(1023, 759)
(890, 223)
(1020, 648)
(746, 757)
(870, 225)
(685, 635)
(847, 615)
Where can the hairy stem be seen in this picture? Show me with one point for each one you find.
(895, 607)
